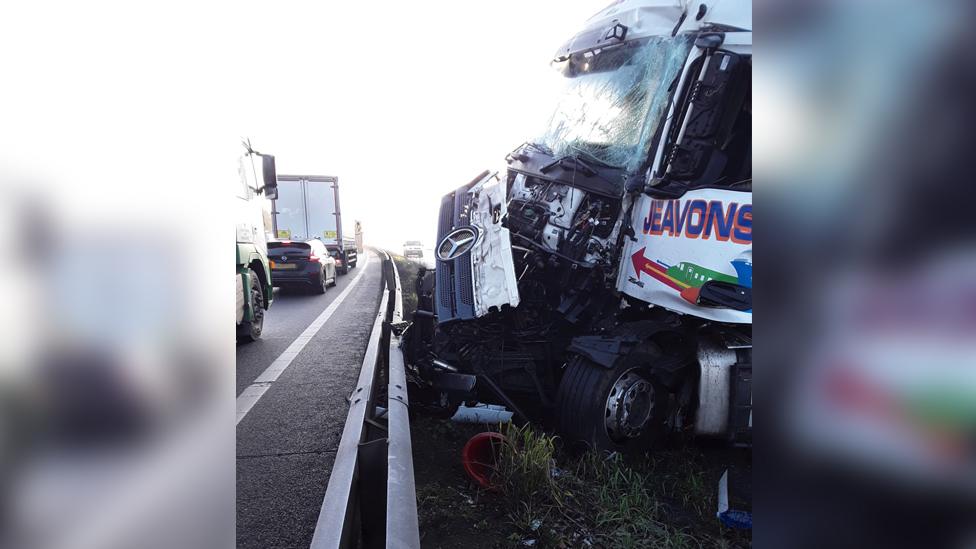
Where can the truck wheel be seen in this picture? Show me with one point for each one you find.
(250, 330)
(617, 409)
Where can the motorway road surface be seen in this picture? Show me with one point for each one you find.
(286, 442)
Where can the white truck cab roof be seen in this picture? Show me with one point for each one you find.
(626, 20)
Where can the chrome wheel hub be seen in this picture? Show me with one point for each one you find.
(629, 405)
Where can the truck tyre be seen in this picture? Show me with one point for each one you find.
(617, 409)
(250, 330)
(323, 283)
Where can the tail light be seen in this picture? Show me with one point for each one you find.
(313, 258)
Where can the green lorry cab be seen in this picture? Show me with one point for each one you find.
(252, 217)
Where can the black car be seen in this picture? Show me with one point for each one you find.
(295, 264)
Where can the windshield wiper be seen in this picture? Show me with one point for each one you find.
(570, 162)
(539, 147)
(517, 154)
(595, 159)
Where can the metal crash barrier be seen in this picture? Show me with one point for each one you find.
(371, 499)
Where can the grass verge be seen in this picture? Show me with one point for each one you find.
(663, 499)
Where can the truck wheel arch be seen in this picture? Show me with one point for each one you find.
(261, 270)
(677, 346)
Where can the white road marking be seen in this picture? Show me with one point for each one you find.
(253, 393)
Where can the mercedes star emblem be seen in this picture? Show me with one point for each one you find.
(456, 243)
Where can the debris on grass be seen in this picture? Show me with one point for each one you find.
(480, 458)
(482, 413)
(733, 518)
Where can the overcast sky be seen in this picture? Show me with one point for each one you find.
(134, 110)
(407, 101)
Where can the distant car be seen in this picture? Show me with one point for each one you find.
(296, 264)
(413, 248)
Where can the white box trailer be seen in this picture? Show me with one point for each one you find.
(308, 208)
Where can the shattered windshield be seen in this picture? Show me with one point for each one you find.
(614, 99)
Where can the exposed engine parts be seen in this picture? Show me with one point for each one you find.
(562, 219)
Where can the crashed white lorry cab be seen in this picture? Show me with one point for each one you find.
(603, 280)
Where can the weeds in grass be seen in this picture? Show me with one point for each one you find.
(599, 499)
(680, 476)
(526, 466)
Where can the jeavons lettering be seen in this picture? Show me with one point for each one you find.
(705, 219)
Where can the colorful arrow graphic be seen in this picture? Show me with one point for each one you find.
(656, 270)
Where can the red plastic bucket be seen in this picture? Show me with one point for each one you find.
(480, 457)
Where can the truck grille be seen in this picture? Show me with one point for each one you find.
(464, 281)
(446, 222)
(454, 291)
(445, 285)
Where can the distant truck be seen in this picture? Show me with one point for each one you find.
(413, 248)
(345, 255)
(307, 208)
(257, 185)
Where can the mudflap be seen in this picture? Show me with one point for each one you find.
(740, 414)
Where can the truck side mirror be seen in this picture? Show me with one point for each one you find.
(270, 177)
